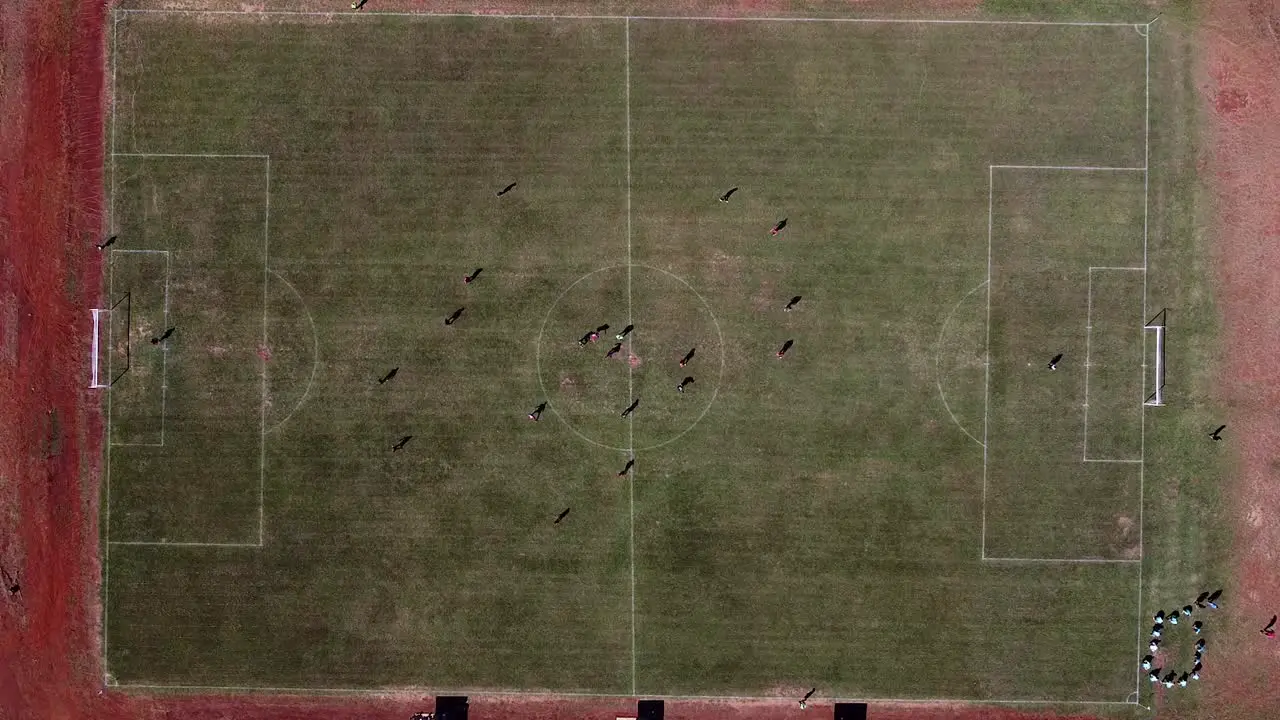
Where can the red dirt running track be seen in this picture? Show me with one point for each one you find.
(51, 212)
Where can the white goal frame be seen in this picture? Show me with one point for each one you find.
(1157, 325)
(95, 379)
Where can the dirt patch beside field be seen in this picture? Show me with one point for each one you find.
(1240, 85)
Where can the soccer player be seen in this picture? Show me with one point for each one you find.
(1195, 627)
(1213, 599)
(725, 197)
(626, 468)
(1155, 630)
(109, 242)
(1216, 435)
(400, 445)
(506, 189)
(791, 304)
(389, 375)
(613, 351)
(468, 279)
(631, 408)
(561, 516)
(684, 383)
(687, 357)
(804, 702)
(1053, 364)
(454, 317)
(537, 412)
(163, 337)
(785, 347)
(625, 332)
(778, 227)
(358, 4)
(1270, 630)
(1146, 662)
(589, 336)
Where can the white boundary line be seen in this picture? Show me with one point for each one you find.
(1093, 168)
(986, 392)
(193, 155)
(106, 466)
(699, 18)
(164, 349)
(1146, 266)
(266, 281)
(631, 439)
(1078, 561)
(163, 543)
(627, 18)
(1088, 342)
(483, 692)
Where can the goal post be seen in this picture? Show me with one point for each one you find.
(1158, 324)
(95, 345)
(109, 355)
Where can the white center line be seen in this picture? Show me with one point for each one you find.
(631, 444)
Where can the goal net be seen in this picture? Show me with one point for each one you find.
(109, 345)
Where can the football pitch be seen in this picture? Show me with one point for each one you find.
(909, 504)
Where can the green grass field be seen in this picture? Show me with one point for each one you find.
(881, 513)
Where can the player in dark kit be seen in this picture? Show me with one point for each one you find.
(468, 279)
(506, 189)
(454, 317)
(631, 408)
(613, 351)
(1053, 364)
(537, 412)
(725, 197)
(684, 383)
